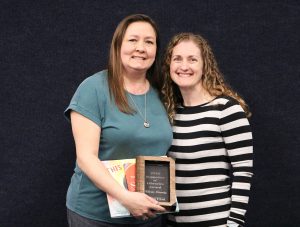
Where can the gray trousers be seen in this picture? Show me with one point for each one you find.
(76, 220)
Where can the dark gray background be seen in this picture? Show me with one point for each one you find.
(48, 47)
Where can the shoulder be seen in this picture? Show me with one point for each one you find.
(230, 108)
(94, 85)
(96, 80)
(93, 88)
(224, 101)
(90, 97)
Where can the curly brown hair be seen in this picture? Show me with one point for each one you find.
(212, 79)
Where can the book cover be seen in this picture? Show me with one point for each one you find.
(130, 172)
(123, 171)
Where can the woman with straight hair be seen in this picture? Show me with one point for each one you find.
(117, 114)
(212, 137)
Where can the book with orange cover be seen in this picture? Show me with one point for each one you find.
(123, 171)
(130, 174)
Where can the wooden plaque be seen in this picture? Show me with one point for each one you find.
(155, 176)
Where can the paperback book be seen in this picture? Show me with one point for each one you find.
(123, 171)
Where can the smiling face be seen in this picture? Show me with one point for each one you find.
(186, 66)
(138, 47)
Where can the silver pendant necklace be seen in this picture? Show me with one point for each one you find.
(146, 123)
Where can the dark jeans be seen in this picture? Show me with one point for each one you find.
(76, 220)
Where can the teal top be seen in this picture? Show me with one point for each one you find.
(122, 136)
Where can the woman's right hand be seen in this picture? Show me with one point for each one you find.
(140, 205)
(87, 139)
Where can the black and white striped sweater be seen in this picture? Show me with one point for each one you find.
(213, 149)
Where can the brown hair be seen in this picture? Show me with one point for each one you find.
(212, 79)
(115, 78)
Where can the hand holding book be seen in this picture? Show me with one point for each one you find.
(133, 203)
(141, 205)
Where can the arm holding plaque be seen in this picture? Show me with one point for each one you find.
(87, 136)
(155, 176)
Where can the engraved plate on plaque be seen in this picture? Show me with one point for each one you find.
(155, 176)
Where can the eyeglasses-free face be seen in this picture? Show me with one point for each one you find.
(138, 48)
(186, 67)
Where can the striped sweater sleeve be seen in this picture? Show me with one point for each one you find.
(237, 137)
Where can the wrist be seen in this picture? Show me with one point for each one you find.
(122, 196)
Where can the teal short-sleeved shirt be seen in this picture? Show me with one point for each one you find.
(122, 136)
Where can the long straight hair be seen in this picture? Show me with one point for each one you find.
(115, 68)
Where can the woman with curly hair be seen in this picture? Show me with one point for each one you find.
(212, 139)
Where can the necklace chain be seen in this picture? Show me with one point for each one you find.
(146, 123)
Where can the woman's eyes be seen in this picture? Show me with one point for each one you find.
(148, 42)
(176, 59)
(192, 60)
